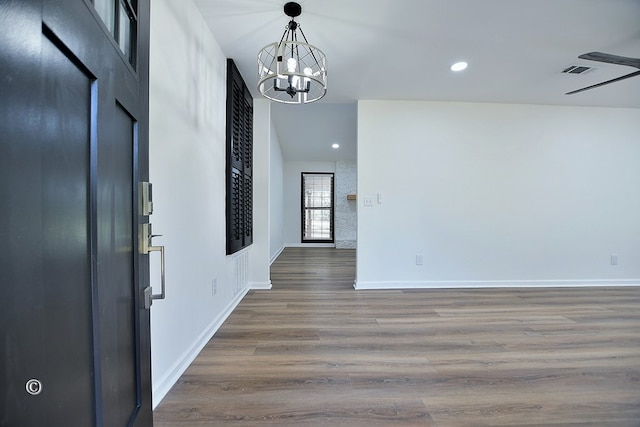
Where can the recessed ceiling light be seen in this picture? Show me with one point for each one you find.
(335, 145)
(459, 66)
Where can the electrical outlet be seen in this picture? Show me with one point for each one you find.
(614, 259)
(368, 201)
(419, 259)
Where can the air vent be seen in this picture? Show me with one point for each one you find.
(577, 69)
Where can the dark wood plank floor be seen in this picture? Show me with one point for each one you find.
(314, 352)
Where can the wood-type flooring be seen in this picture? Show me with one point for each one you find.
(315, 352)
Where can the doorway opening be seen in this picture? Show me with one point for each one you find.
(317, 207)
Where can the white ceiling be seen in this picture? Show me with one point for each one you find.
(402, 50)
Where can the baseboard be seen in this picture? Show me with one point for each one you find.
(167, 381)
(310, 245)
(273, 258)
(360, 285)
(260, 285)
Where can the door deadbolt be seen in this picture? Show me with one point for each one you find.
(34, 387)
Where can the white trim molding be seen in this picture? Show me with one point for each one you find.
(452, 284)
(260, 285)
(310, 245)
(273, 258)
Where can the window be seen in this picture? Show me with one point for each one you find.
(317, 207)
(120, 18)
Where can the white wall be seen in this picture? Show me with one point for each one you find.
(276, 197)
(495, 194)
(187, 168)
(259, 261)
(345, 210)
(292, 189)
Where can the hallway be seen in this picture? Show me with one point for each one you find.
(313, 351)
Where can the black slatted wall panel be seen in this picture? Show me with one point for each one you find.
(239, 161)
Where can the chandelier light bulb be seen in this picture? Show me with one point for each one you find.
(291, 65)
(308, 71)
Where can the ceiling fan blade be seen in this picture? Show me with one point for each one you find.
(611, 59)
(617, 79)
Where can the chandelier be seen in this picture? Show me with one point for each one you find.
(292, 71)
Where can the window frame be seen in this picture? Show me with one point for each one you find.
(118, 8)
(303, 208)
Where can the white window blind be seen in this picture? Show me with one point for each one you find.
(317, 207)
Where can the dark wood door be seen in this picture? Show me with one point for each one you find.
(74, 333)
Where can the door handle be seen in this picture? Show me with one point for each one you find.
(146, 248)
(162, 294)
